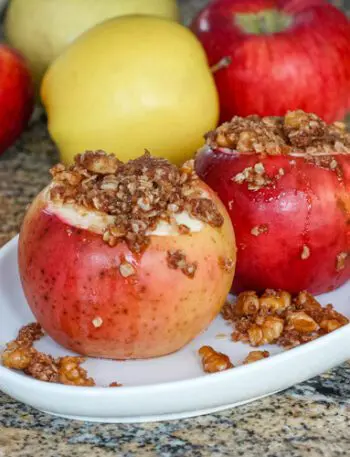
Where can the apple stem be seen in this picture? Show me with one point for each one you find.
(263, 22)
(223, 63)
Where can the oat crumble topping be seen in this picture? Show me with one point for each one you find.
(138, 194)
(176, 259)
(259, 229)
(294, 133)
(276, 317)
(256, 178)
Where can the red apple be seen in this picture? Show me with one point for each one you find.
(16, 96)
(280, 55)
(111, 302)
(293, 230)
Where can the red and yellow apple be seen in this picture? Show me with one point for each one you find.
(280, 55)
(81, 293)
(16, 96)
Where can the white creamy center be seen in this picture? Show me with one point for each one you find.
(97, 221)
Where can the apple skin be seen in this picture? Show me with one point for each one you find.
(70, 277)
(307, 206)
(304, 67)
(16, 96)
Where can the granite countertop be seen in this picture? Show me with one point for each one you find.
(311, 419)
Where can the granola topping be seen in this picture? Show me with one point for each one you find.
(130, 201)
(259, 229)
(277, 318)
(297, 132)
(176, 259)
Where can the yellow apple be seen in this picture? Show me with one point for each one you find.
(42, 29)
(131, 83)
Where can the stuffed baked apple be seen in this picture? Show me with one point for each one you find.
(286, 184)
(126, 260)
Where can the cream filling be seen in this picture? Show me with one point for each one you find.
(97, 221)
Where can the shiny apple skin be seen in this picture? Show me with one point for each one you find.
(70, 277)
(304, 67)
(16, 96)
(308, 206)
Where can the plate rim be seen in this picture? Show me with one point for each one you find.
(165, 385)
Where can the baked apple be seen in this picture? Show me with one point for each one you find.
(126, 260)
(286, 184)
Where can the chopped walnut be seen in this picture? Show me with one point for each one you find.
(138, 194)
(71, 373)
(254, 356)
(213, 361)
(297, 132)
(21, 355)
(266, 332)
(276, 317)
(177, 260)
(16, 356)
(301, 322)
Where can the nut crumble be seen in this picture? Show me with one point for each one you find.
(294, 133)
(276, 317)
(177, 260)
(138, 194)
(20, 354)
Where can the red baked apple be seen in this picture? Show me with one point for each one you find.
(286, 185)
(278, 56)
(16, 96)
(126, 260)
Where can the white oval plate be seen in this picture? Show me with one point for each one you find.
(169, 387)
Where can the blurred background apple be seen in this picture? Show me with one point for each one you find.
(42, 29)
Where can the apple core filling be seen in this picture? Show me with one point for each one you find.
(130, 201)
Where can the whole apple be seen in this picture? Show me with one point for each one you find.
(286, 185)
(16, 96)
(55, 24)
(91, 284)
(271, 56)
(113, 89)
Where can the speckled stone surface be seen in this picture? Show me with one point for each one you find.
(311, 419)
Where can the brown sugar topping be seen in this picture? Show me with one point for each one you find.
(138, 194)
(294, 133)
(276, 317)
